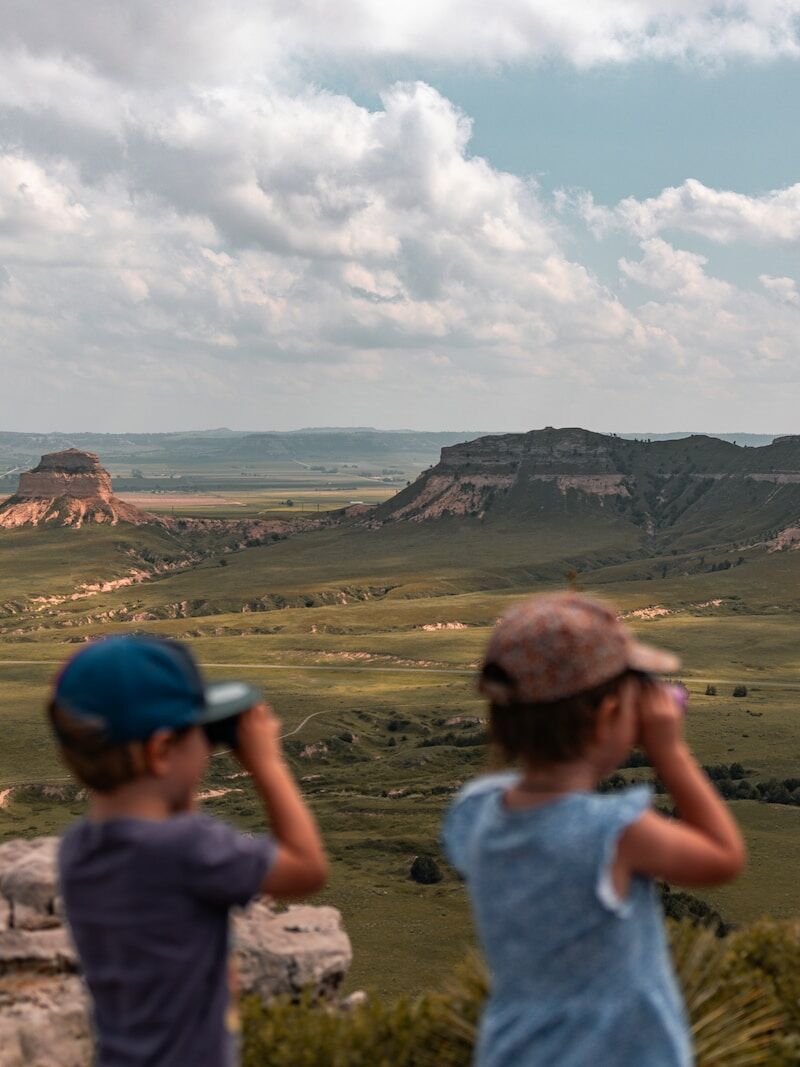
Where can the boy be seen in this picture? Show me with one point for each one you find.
(147, 881)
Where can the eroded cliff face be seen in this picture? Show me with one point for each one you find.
(69, 488)
(69, 473)
(473, 477)
(549, 451)
(700, 486)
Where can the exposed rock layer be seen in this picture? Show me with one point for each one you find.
(44, 1018)
(710, 490)
(71, 488)
(68, 488)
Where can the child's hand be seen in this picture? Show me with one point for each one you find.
(257, 734)
(660, 721)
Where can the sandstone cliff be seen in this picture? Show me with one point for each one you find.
(71, 488)
(68, 488)
(701, 489)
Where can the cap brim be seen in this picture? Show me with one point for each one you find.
(651, 660)
(224, 699)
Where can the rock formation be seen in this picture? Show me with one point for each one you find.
(43, 1004)
(72, 488)
(68, 488)
(704, 489)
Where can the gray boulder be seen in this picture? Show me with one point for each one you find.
(301, 948)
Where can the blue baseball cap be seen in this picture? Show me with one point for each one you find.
(134, 685)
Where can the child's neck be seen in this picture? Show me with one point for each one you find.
(141, 799)
(542, 782)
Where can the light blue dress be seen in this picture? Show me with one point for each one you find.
(579, 977)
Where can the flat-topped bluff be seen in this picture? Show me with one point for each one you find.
(703, 486)
(69, 488)
(72, 488)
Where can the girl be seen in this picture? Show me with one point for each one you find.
(561, 877)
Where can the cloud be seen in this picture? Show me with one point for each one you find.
(720, 215)
(186, 225)
(784, 289)
(305, 232)
(202, 41)
(679, 273)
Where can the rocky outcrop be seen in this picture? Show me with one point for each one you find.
(68, 488)
(72, 488)
(472, 477)
(44, 1019)
(702, 489)
(69, 473)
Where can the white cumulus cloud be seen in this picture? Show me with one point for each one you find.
(782, 288)
(195, 40)
(721, 215)
(188, 224)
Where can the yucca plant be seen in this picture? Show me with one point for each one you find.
(456, 1012)
(733, 1022)
(740, 995)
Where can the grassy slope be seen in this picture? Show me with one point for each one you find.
(406, 935)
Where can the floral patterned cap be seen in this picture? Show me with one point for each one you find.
(560, 644)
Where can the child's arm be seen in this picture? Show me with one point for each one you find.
(703, 845)
(300, 866)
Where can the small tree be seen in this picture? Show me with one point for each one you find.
(425, 870)
(711, 690)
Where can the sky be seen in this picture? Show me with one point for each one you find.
(444, 215)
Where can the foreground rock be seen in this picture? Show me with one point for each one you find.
(43, 1005)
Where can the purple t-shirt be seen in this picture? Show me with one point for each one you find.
(148, 906)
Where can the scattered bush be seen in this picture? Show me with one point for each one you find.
(612, 784)
(679, 905)
(711, 690)
(740, 691)
(397, 723)
(462, 739)
(425, 870)
(637, 758)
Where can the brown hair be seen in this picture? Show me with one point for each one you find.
(92, 758)
(547, 733)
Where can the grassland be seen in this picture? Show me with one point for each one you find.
(366, 642)
(289, 500)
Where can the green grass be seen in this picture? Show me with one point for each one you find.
(358, 658)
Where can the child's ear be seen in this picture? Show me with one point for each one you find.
(156, 750)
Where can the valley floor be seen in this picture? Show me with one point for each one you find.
(366, 643)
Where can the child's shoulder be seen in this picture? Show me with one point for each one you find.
(170, 836)
(461, 816)
(485, 785)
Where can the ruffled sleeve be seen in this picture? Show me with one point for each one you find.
(622, 810)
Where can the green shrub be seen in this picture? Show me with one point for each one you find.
(425, 870)
(742, 995)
